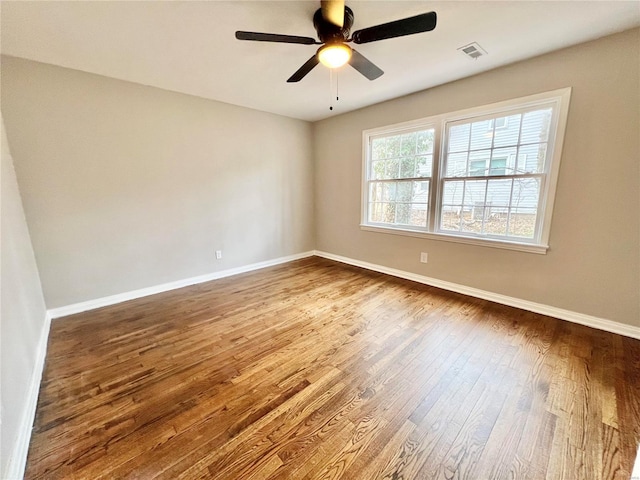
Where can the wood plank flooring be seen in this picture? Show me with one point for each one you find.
(318, 370)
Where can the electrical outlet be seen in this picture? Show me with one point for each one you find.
(424, 257)
(218, 254)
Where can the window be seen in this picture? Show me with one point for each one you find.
(498, 123)
(400, 178)
(492, 166)
(485, 175)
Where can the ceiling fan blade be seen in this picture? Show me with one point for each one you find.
(333, 11)
(274, 37)
(407, 26)
(364, 65)
(304, 69)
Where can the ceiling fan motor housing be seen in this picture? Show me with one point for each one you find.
(330, 33)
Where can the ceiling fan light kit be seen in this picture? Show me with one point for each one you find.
(334, 35)
(334, 55)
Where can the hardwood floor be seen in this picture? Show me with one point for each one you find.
(318, 370)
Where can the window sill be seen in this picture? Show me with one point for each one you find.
(482, 242)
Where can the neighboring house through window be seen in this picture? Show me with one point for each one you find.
(485, 175)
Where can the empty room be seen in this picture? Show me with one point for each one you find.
(360, 240)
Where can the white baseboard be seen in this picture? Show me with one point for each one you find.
(18, 458)
(143, 292)
(635, 475)
(571, 316)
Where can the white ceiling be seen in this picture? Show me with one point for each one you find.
(190, 47)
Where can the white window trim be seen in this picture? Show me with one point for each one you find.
(560, 97)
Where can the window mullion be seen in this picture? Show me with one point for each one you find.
(435, 190)
(484, 203)
(464, 192)
(493, 141)
(469, 148)
(518, 144)
(513, 180)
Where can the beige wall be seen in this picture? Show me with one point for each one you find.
(22, 316)
(127, 186)
(593, 265)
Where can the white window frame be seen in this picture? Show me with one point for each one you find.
(558, 99)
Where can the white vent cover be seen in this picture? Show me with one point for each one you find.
(473, 50)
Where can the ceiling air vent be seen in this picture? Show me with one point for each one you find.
(473, 50)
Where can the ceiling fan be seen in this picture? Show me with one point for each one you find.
(333, 22)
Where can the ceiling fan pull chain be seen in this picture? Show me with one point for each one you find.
(337, 85)
(331, 89)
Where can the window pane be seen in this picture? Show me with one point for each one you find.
(393, 146)
(424, 165)
(418, 215)
(498, 166)
(477, 168)
(452, 205)
(496, 207)
(506, 131)
(532, 158)
(452, 194)
(495, 223)
(378, 149)
(479, 163)
(459, 138)
(503, 161)
(407, 167)
(375, 192)
(481, 135)
(403, 213)
(377, 170)
(450, 218)
(499, 195)
(399, 203)
(471, 220)
(406, 155)
(522, 223)
(404, 191)
(388, 191)
(392, 168)
(457, 164)
(473, 206)
(526, 192)
(382, 212)
(376, 212)
(501, 207)
(408, 145)
(535, 126)
(424, 141)
(420, 192)
(474, 191)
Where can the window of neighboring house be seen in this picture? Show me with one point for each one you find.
(485, 176)
(498, 123)
(493, 166)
